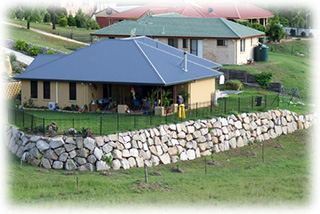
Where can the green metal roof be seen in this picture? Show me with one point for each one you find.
(173, 26)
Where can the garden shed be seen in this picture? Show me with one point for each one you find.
(118, 72)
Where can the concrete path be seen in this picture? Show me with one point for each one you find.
(20, 57)
(44, 33)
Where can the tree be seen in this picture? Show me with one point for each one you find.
(80, 19)
(63, 21)
(32, 14)
(71, 20)
(275, 31)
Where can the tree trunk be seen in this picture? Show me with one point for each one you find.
(28, 25)
(53, 21)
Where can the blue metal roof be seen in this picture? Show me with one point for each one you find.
(141, 61)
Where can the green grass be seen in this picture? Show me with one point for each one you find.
(282, 179)
(29, 36)
(292, 71)
(48, 27)
(108, 123)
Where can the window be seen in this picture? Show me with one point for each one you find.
(72, 91)
(185, 43)
(34, 89)
(222, 42)
(196, 47)
(173, 42)
(46, 90)
(242, 45)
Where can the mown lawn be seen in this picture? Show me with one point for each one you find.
(239, 180)
(48, 27)
(32, 37)
(291, 70)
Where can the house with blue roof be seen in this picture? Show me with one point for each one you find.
(111, 69)
(215, 39)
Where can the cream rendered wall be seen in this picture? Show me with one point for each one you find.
(201, 90)
(84, 94)
(250, 43)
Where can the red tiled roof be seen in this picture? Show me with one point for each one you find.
(223, 9)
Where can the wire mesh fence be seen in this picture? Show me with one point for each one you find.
(108, 123)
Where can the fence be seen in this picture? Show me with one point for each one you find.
(107, 123)
(86, 38)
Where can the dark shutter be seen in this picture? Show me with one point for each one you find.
(34, 89)
(46, 90)
(72, 91)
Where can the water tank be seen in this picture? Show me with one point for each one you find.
(261, 53)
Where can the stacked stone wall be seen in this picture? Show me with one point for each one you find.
(164, 144)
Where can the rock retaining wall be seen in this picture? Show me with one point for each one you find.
(159, 145)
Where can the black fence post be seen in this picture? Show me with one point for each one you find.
(211, 105)
(166, 116)
(252, 102)
(31, 122)
(117, 121)
(225, 105)
(22, 118)
(151, 117)
(265, 101)
(72, 122)
(196, 109)
(15, 117)
(239, 110)
(134, 121)
(43, 126)
(100, 125)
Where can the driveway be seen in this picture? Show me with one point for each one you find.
(20, 57)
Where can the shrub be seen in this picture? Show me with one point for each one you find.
(16, 67)
(51, 52)
(71, 20)
(34, 50)
(20, 45)
(12, 57)
(63, 21)
(47, 17)
(67, 108)
(234, 85)
(263, 79)
(74, 107)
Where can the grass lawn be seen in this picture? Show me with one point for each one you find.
(239, 180)
(48, 27)
(291, 70)
(29, 36)
(108, 123)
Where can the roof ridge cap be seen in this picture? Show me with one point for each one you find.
(154, 68)
(230, 28)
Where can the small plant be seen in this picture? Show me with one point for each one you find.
(63, 21)
(108, 159)
(250, 144)
(40, 158)
(85, 132)
(51, 52)
(263, 79)
(234, 85)
(12, 57)
(178, 159)
(28, 104)
(20, 45)
(185, 96)
(166, 100)
(34, 50)
(212, 153)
